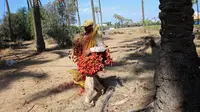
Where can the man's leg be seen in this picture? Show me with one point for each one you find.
(90, 90)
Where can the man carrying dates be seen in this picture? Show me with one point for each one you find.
(91, 55)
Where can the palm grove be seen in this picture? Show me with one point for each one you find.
(177, 73)
(54, 20)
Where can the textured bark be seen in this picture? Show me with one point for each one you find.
(93, 12)
(40, 45)
(177, 69)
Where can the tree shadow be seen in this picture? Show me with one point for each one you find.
(131, 40)
(47, 92)
(16, 71)
(30, 63)
(28, 59)
(112, 81)
(32, 59)
(16, 45)
(132, 47)
(61, 54)
(30, 52)
(141, 59)
(22, 61)
(57, 48)
(114, 51)
(6, 80)
(107, 38)
(141, 79)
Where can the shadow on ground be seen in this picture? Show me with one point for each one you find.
(137, 57)
(48, 92)
(26, 59)
(107, 38)
(61, 54)
(57, 48)
(6, 80)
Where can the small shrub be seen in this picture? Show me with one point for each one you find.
(63, 35)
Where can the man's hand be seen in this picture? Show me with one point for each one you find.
(87, 52)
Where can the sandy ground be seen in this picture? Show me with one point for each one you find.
(28, 85)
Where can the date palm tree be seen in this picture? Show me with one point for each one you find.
(143, 17)
(177, 72)
(77, 7)
(93, 12)
(30, 3)
(40, 45)
(96, 9)
(9, 20)
(101, 18)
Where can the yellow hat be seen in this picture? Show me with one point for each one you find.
(87, 23)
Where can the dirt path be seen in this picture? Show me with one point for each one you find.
(28, 85)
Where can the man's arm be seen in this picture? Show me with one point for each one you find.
(100, 45)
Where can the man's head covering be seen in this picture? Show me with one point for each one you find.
(87, 23)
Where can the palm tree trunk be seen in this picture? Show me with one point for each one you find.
(9, 21)
(40, 45)
(79, 20)
(101, 18)
(31, 3)
(122, 22)
(197, 10)
(68, 20)
(93, 12)
(98, 17)
(118, 23)
(40, 3)
(143, 17)
(28, 4)
(31, 8)
(177, 69)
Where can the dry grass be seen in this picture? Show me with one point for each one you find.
(50, 41)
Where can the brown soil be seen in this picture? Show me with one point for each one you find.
(28, 85)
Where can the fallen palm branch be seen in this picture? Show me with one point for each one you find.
(107, 98)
